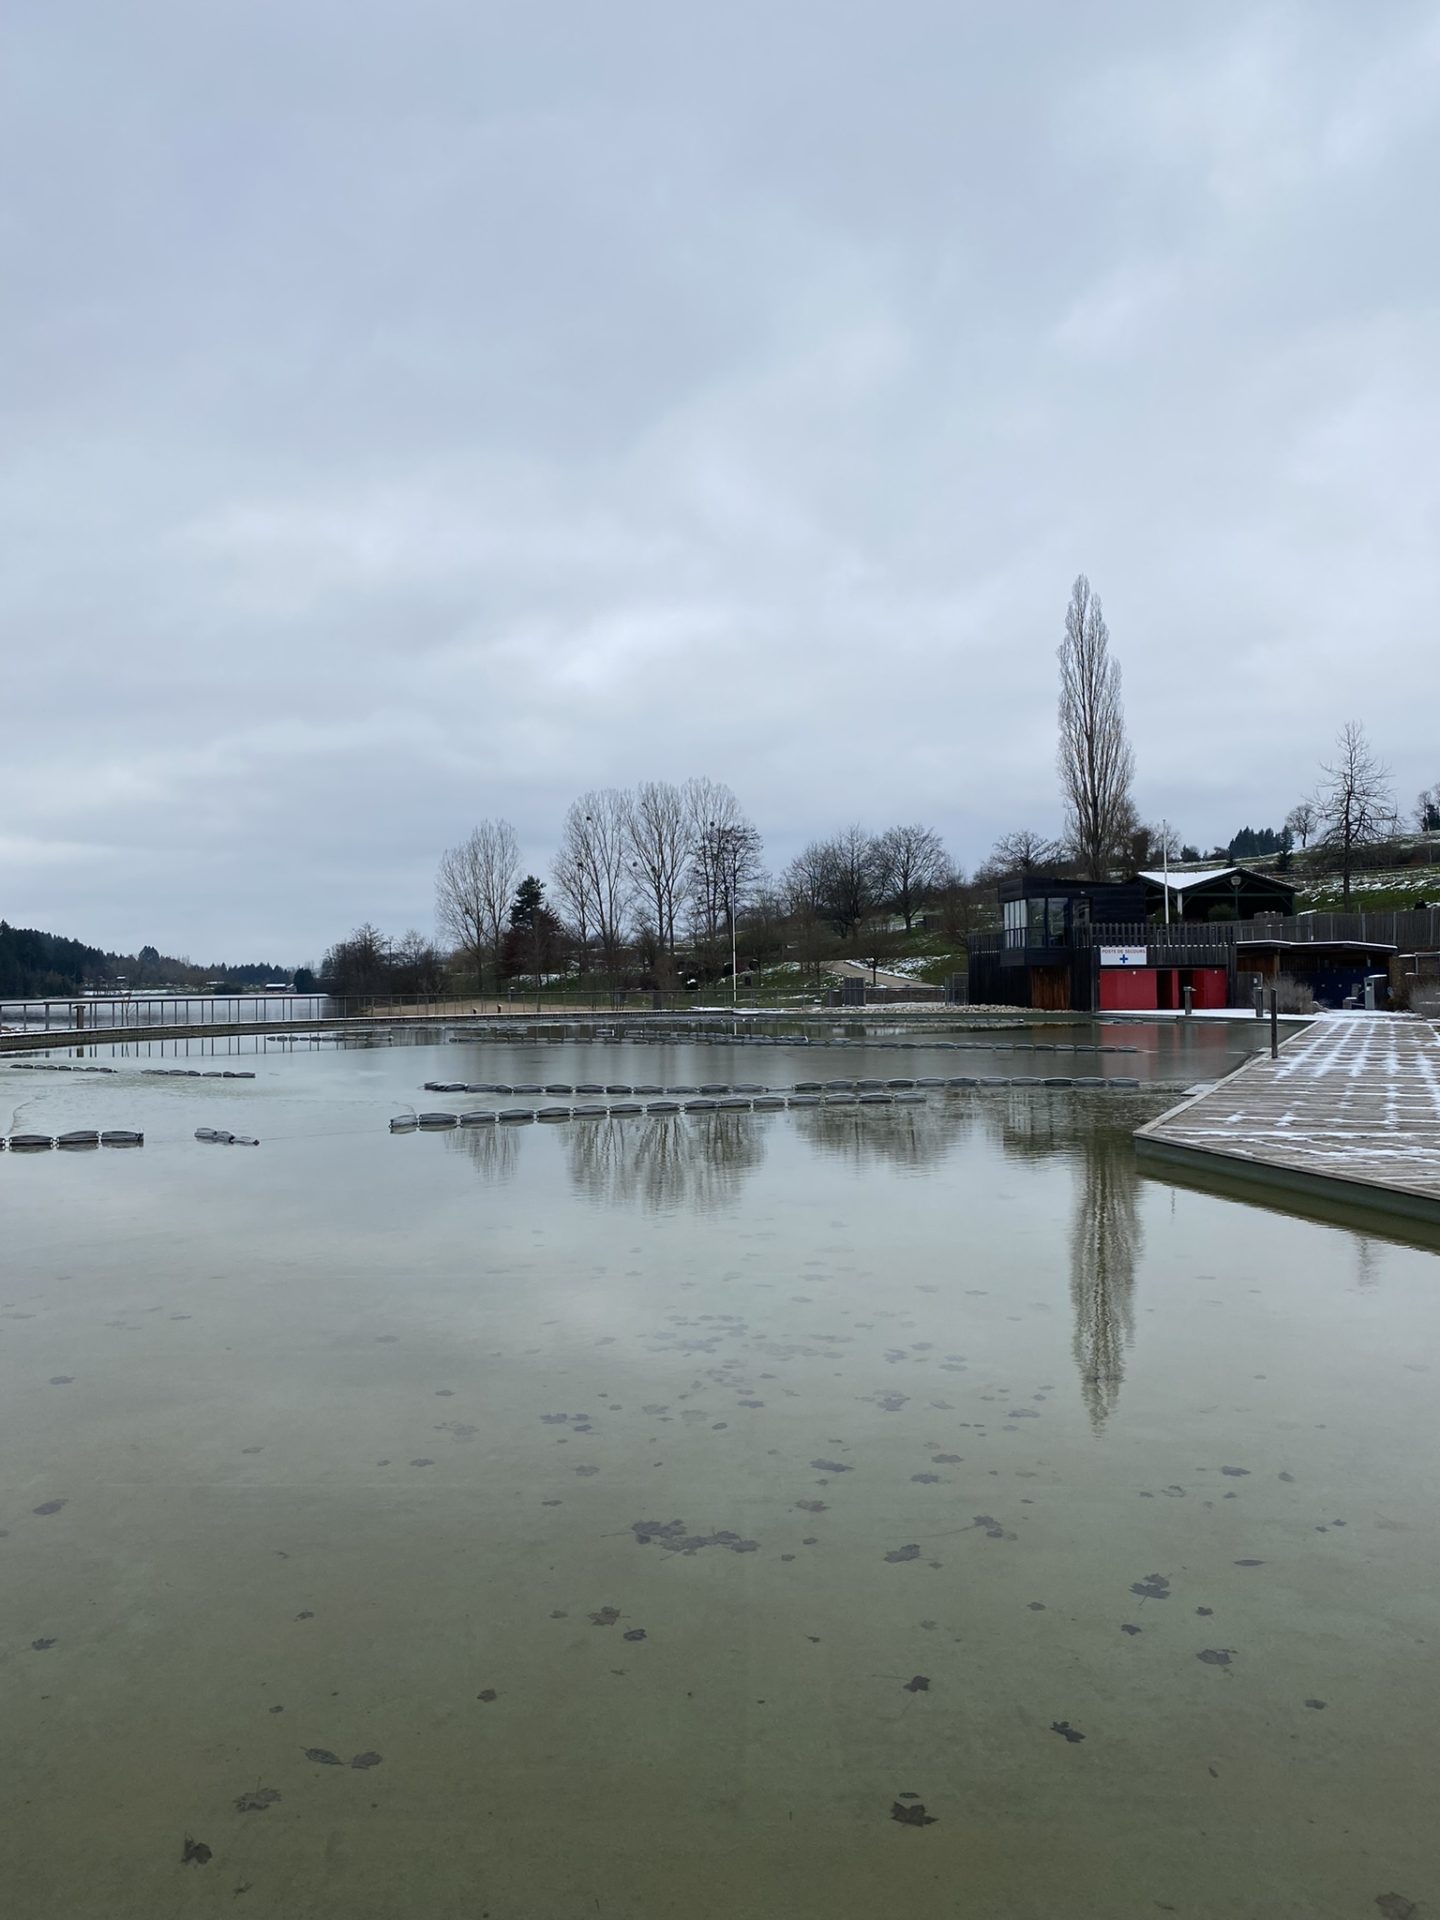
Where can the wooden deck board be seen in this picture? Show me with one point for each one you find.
(1351, 1105)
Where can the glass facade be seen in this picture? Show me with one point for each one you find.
(1039, 922)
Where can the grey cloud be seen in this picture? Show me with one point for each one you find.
(413, 414)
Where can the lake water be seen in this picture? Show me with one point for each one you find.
(630, 1518)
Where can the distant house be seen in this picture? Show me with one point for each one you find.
(1100, 946)
(1052, 931)
(1215, 893)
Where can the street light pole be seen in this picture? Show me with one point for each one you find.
(734, 972)
(1165, 856)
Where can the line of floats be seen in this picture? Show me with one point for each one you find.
(714, 1098)
(80, 1139)
(708, 1037)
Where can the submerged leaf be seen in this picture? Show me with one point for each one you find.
(258, 1801)
(912, 1816)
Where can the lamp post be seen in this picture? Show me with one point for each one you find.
(599, 899)
(734, 970)
(1165, 860)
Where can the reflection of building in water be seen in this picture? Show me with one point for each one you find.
(905, 1136)
(696, 1161)
(1105, 1233)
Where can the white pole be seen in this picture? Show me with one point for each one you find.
(734, 979)
(1165, 856)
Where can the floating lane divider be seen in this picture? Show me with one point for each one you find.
(153, 1073)
(703, 1037)
(749, 1093)
(806, 1094)
(79, 1140)
(194, 1073)
(55, 1066)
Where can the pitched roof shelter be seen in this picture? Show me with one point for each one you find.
(1217, 892)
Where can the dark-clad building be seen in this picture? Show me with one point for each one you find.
(1101, 946)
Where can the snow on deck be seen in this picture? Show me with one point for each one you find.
(1355, 1097)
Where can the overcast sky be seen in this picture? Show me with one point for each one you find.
(420, 412)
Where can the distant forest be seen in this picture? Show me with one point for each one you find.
(34, 963)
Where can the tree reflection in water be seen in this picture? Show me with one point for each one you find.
(494, 1149)
(905, 1136)
(699, 1162)
(666, 1161)
(1105, 1243)
(1106, 1237)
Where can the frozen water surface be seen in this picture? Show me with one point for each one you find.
(823, 1513)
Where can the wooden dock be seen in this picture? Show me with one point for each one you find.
(1349, 1114)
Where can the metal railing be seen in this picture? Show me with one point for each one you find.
(103, 1016)
(106, 1013)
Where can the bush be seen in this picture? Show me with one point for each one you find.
(1294, 996)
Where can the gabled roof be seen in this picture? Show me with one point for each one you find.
(1178, 882)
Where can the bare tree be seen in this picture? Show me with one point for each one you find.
(966, 906)
(1300, 821)
(763, 925)
(473, 889)
(415, 965)
(660, 854)
(1354, 803)
(573, 882)
(1147, 846)
(1095, 759)
(915, 863)
(1023, 851)
(358, 965)
(1427, 809)
(593, 872)
(803, 890)
(733, 854)
(849, 874)
(724, 857)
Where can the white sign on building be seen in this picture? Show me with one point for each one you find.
(1123, 957)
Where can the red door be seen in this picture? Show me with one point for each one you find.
(1210, 985)
(1125, 989)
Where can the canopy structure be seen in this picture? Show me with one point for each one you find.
(1213, 893)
